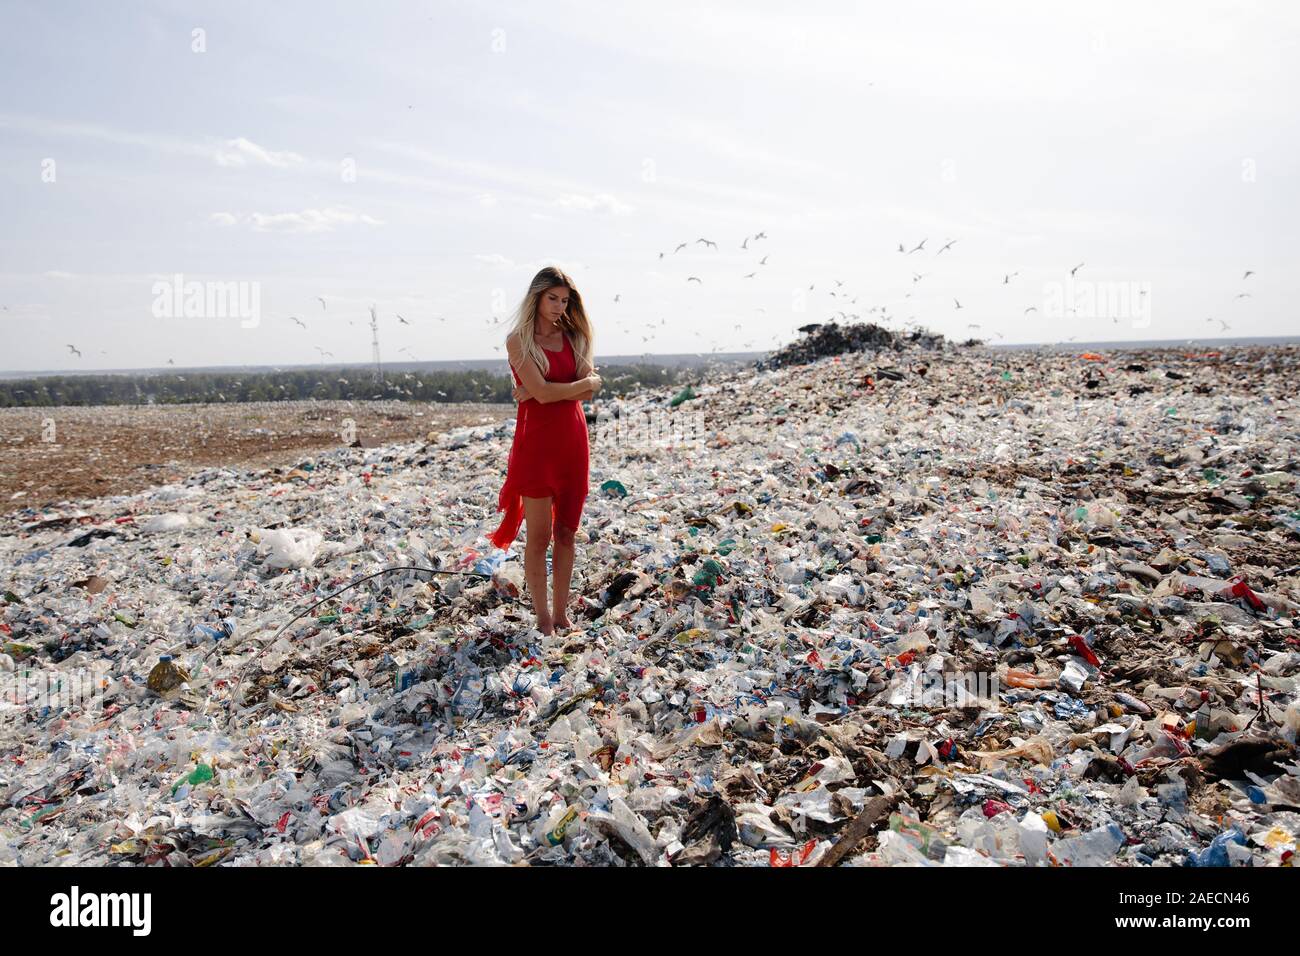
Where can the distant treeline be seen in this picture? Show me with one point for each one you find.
(302, 384)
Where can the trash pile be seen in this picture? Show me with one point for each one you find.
(974, 611)
(822, 340)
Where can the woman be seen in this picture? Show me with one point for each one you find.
(550, 352)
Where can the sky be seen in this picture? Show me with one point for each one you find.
(181, 181)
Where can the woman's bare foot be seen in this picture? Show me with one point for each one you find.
(545, 626)
(563, 623)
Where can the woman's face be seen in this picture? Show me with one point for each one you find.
(554, 302)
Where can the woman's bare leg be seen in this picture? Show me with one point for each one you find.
(537, 514)
(562, 569)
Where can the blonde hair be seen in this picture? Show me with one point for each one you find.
(573, 323)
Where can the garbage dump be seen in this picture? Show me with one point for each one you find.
(924, 608)
(821, 340)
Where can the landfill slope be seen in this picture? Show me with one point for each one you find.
(910, 606)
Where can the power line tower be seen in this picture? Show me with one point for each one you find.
(374, 344)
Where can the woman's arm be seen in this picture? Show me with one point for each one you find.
(520, 394)
(533, 380)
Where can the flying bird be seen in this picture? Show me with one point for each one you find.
(294, 318)
(707, 242)
(1007, 278)
(617, 297)
(946, 247)
(745, 245)
(679, 248)
(763, 261)
(958, 303)
(1243, 295)
(750, 276)
(402, 320)
(75, 350)
(694, 279)
(919, 246)
(1032, 308)
(321, 299)
(1076, 269)
(1249, 273)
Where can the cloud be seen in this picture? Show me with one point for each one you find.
(243, 152)
(56, 274)
(495, 259)
(306, 221)
(601, 202)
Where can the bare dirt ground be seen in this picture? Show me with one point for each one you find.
(49, 455)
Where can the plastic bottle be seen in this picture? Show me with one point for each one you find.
(1202, 727)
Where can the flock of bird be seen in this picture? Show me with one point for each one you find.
(843, 308)
(884, 313)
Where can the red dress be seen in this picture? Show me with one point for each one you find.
(549, 456)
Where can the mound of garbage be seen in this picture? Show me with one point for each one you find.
(992, 610)
(821, 340)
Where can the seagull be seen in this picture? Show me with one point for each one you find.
(75, 350)
(750, 276)
(171, 361)
(1032, 308)
(919, 247)
(294, 318)
(900, 248)
(707, 242)
(1223, 326)
(694, 279)
(1243, 295)
(946, 247)
(958, 303)
(1075, 269)
(837, 282)
(763, 261)
(1249, 273)
(760, 235)
(402, 320)
(745, 245)
(616, 297)
(661, 255)
(321, 299)
(1007, 278)
(679, 248)
(918, 276)
(323, 353)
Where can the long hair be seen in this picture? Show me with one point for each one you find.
(574, 323)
